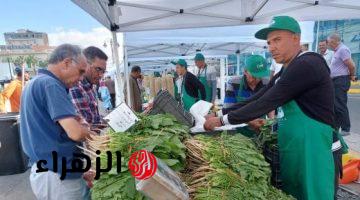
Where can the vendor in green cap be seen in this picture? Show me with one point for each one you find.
(207, 76)
(252, 81)
(309, 148)
(188, 87)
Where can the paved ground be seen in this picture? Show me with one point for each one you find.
(17, 187)
(353, 140)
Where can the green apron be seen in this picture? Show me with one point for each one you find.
(208, 89)
(239, 98)
(306, 159)
(186, 99)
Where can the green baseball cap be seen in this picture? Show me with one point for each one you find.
(256, 66)
(199, 56)
(181, 62)
(279, 23)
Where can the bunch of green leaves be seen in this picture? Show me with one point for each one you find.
(240, 171)
(266, 135)
(160, 134)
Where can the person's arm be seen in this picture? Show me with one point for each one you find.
(345, 56)
(74, 129)
(295, 81)
(254, 97)
(62, 111)
(351, 66)
(195, 84)
(9, 90)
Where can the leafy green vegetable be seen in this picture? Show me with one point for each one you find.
(232, 168)
(159, 134)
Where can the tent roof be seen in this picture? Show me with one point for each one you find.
(210, 41)
(140, 15)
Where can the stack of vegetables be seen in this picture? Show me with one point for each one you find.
(159, 134)
(228, 167)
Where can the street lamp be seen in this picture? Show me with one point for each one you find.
(105, 45)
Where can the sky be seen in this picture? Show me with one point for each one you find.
(62, 20)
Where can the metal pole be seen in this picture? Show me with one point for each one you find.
(126, 73)
(317, 36)
(115, 53)
(222, 78)
(23, 77)
(8, 59)
(238, 64)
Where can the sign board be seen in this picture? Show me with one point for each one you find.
(121, 118)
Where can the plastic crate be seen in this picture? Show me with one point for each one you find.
(164, 102)
(272, 157)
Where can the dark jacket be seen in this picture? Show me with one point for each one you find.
(193, 86)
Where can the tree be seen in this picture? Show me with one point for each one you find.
(43, 63)
(18, 61)
(31, 61)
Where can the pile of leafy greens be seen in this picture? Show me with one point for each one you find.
(160, 134)
(222, 167)
(228, 167)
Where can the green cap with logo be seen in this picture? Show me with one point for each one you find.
(279, 23)
(256, 66)
(199, 56)
(180, 62)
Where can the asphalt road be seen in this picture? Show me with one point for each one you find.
(354, 109)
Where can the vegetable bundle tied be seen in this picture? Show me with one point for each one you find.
(228, 167)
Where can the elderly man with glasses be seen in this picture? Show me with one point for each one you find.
(83, 96)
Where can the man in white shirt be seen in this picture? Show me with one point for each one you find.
(325, 52)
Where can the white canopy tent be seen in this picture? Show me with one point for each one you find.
(158, 47)
(141, 15)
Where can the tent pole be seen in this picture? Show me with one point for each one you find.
(126, 72)
(222, 78)
(238, 64)
(317, 36)
(22, 76)
(115, 54)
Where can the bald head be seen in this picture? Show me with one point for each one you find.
(335, 37)
(334, 41)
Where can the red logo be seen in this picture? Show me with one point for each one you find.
(142, 164)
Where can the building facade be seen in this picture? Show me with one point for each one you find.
(29, 47)
(349, 30)
(26, 37)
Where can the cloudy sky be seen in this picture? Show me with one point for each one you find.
(61, 19)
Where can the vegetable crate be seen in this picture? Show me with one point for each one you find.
(164, 102)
